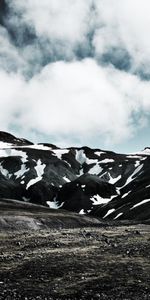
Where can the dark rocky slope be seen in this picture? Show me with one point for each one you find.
(83, 180)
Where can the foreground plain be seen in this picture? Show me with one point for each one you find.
(103, 261)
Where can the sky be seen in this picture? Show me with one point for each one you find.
(76, 73)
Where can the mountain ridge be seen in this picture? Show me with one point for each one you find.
(83, 180)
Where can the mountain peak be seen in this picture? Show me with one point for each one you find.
(11, 139)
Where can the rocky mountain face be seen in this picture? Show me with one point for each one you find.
(82, 180)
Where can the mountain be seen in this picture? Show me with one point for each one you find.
(83, 180)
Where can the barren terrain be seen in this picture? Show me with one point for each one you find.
(86, 261)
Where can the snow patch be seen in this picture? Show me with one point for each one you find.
(95, 170)
(118, 190)
(66, 179)
(25, 199)
(80, 156)
(13, 152)
(107, 160)
(5, 172)
(114, 180)
(54, 204)
(39, 147)
(90, 161)
(21, 172)
(120, 214)
(134, 156)
(130, 178)
(109, 212)
(98, 153)
(40, 171)
(99, 200)
(60, 152)
(146, 151)
(81, 212)
(137, 163)
(5, 145)
(126, 194)
(140, 203)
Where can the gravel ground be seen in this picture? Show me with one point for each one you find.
(101, 262)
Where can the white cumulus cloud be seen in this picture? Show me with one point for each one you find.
(75, 70)
(76, 99)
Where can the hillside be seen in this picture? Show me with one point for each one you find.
(82, 180)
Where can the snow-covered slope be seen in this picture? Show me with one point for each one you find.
(84, 180)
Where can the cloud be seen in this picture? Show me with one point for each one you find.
(111, 30)
(65, 20)
(76, 100)
(124, 25)
(75, 70)
(11, 87)
(61, 26)
(10, 59)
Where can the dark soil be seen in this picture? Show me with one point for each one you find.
(90, 263)
(109, 262)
